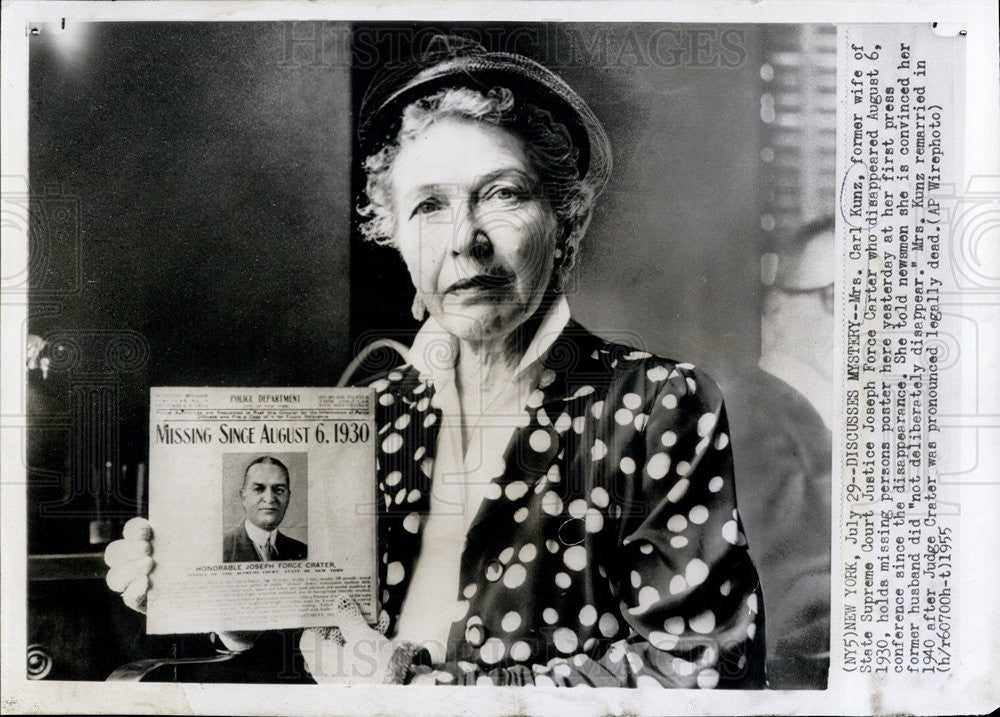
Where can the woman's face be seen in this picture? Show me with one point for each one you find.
(472, 226)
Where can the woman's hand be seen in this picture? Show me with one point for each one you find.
(352, 652)
(130, 561)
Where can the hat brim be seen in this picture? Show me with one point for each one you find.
(529, 81)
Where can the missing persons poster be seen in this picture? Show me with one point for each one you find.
(801, 200)
(248, 489)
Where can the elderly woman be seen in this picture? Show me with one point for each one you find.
(554, 508)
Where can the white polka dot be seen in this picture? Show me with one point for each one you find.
(582, 391)
(730, 532)
(565, 640)
(540, 441)
(616, 653)
(677, 584)
(492, 651)
(676, 523)
(427, 466)
(634, 661)
(627, 465)
(394, 573)
(535, 399)
(598, 451)
(515, 489)
(505, 555)
(402, 422)
(562, 669)
(668, 438)
(646, 548)
(411, 523)
(577, 508)
(635, 578)
(494, 491)
(708, 679)
(658, 466)
(413, 496)
(678, 541)
(515, 575)
(596, 409)
(470, 590)
(511, 621)
(752, 603)
(662, 640)
(657, 373)
(418, 454)
(387, 399)
(632, 401)
(682, 667)
(678, 490)
(575, 557)
(550, 616)
(608, 625)
(401, 496)
(674, 625)
(638, 355)
(543, 680)
(520, 515)
(563, 581)
(546, 379)
(563, 423)
(430, 419)
(493, 571)
(484, 681)
(647, 596)
(543, 418)
(682, 468)
(380, 385)
(706, 423)
(392, 443)
(698, 514)
(715, 485)
(726, 587)
(552, 503)
(703, 623)
(552, 546)
(691, 384)
(520, 651)
(623, 416)
(578, 424)
(721, 441)
(599, 497)
(640, 421)
(588, 615)
(393, 478)
(669, 401)
(696, 572)
(423, 403)
(527, 553)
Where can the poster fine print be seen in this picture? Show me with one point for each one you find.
(499, 357)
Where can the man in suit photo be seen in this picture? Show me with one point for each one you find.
(266, 493)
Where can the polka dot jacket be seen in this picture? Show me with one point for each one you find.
(609, 551)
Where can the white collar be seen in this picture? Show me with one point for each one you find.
(434, 350)
(259, 535)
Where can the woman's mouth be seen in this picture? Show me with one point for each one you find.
(481, 282)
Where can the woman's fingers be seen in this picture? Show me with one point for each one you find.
(137, 529)
(349, 619)
(121, 574)
(134, 595)
(120, 552)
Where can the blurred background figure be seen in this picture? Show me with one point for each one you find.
(782, 416)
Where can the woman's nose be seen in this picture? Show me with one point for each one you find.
(471, 238)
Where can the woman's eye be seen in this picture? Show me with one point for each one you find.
(506, 194)
(427, 206)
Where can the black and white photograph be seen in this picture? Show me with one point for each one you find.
(505, 353)
(263, 518)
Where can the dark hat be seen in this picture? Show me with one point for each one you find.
(451, 61)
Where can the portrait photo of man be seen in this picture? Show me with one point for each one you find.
(266, 494)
